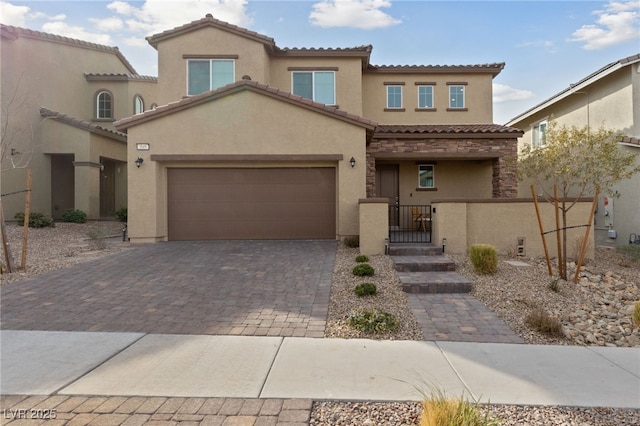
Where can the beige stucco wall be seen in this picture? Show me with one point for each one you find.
(613, 102)
(478, 99)
(500, 223)
(172, 67)
(374, 220)
(244, 123)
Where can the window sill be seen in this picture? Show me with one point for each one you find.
(426, 189)
(426, 109)
(457, 109)
(394, 110)
(104, 120)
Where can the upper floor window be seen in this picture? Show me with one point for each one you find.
(456, 96)
(539, 134)
(208, 74)
(394, 97)
(425, 96)
(138, 104)
(104, 105)
(426, 176)
(319, 86)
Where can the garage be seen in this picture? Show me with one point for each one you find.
(251, 203)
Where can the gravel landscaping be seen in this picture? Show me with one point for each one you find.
(595, 311)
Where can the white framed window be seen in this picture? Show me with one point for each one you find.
(425, 97)
(104, 105)
(394, 96)
(539, 134)
(138, 104)
(456, 96)
(319, 86)
(426, 176)
(209, 74)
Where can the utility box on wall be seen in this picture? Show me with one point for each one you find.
(607, 211)
(521, 246)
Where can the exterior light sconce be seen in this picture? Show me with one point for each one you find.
(352, 162)
(139, 162)
(444, 244)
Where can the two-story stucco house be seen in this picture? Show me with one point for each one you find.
(60, 98)
(608, 97)
(254, 141)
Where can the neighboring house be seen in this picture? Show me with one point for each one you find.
(609, 97)
(60, 97)
(254, 141)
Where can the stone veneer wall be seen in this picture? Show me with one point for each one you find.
(504, 151)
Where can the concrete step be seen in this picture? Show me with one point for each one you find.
(414, 250)
(423, 263)
(434, 282)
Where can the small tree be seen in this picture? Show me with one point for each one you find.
(578, 161)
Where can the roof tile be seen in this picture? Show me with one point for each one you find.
(82, 124)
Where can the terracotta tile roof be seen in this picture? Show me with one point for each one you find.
(210, 21)
(81, 124)
(630, 141)
(119, 77)
(16, 32)
(448, 129)
(493, 68)
(240, 86)
(329, 51)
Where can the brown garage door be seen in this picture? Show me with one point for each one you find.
(270, 203)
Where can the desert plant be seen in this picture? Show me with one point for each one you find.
(630, 254)
(373, 321)
(539, 320)
(362, 258)
(484, 258)
(636, 314)
(363, 270)
(352, 241)
(96, 239)
(440, 410)
(554, 285)
(366, 289)
(121, 214)
(36, 220)
(74, 216)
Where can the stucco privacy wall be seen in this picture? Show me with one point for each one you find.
(501, 222)
(374, 220)
(244, 123)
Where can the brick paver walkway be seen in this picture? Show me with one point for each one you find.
(459, 318)
(261, 288)
(133, 411)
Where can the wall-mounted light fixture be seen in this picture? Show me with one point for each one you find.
(139, 162)
(352, 162)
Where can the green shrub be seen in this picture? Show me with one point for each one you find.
(366, 289)
(375, 321)
(363, 270)
(362, 258)
(97, 239)
(36, 220)
(636, 314)
(352, 241)
(544, 323)
(121, 214)
(555, 285)
(484, 258)
(74, 216)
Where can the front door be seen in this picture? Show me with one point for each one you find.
(107, 188)
(387, 187)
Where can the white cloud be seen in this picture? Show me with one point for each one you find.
(504, 93)
(64, 29)
(363, 14)
(547, 45)
(160, 15)
(13, 15)
(108, 24)
(618, 23)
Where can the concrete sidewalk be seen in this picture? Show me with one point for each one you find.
(134, 364)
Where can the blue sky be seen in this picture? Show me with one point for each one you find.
(546, 45)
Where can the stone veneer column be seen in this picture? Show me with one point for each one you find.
(371, 176)
(505, 183)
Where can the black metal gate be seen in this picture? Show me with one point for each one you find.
(410, 224)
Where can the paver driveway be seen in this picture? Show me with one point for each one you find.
(266, 288)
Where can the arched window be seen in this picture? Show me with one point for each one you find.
(104, 105)
(138, 104)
